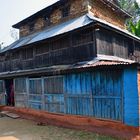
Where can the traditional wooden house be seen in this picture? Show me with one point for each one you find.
(75, 57)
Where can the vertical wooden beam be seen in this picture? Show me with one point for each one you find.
(65, 95)
(95, 43)
(43, 93)
(91, 98)
(27, 90)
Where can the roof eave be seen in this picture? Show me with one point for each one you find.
(117, 8)
(59, 2)
(46, 10)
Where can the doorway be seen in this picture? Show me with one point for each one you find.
(9, 87)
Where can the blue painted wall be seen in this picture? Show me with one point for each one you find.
(131, 98)
(78, 91)
(107, 94)
(97, 94)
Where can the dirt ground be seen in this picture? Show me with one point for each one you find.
(20, 129)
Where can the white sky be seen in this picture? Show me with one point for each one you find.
(13, 11)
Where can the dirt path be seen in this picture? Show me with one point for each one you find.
(19, 129)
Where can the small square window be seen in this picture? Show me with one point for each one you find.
(31, 27)
(47, 20)
(27, 53)
(65, 11)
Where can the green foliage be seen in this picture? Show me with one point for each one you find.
(132, 7)
(134, 28)
(128, 5)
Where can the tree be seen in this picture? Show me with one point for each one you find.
(132, 7)
(134, 28)
(133, 25)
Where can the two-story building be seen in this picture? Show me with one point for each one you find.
(75, 57)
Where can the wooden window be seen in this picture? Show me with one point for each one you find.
(35, 93)
(44, 48)
(81, 37)
(65, 11)
(20, 91)
(131, 48)
(15, 55)
(137, 51)
(54, 97)
(20, 85)
(35, 86)
(27, 53)
(63, 42)
(1, 87)
(2, 57)
(53, 85)
(47, 20)
(31, 26)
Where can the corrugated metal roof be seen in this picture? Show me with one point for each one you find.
(103, 63)
(104, 60)
(64, 28)
(51, 32)
(49, 8)
(99, 61)
(112, 26)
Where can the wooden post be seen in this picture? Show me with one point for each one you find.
(43, 93)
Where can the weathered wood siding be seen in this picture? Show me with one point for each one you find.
(75, 47)
(20, 91)
(54, 16)
(35, 93)
(107, 13)
(54, 94)
(111, 43)
(97, 94)
(137, 51)
(2, 93)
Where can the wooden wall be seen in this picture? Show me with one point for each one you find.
(111, 43)
(67, 49)
(2, 93)
(20, 91)
(55, 16)
(97, 94)
(104, 12)
(104, 94)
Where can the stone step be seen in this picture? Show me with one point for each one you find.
(9, 114)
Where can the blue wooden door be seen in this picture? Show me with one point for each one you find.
(35, 94)
(107, 94)
(97, 94)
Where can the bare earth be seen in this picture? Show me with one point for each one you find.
(19, 129)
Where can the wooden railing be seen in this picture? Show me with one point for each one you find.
(57, 57)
